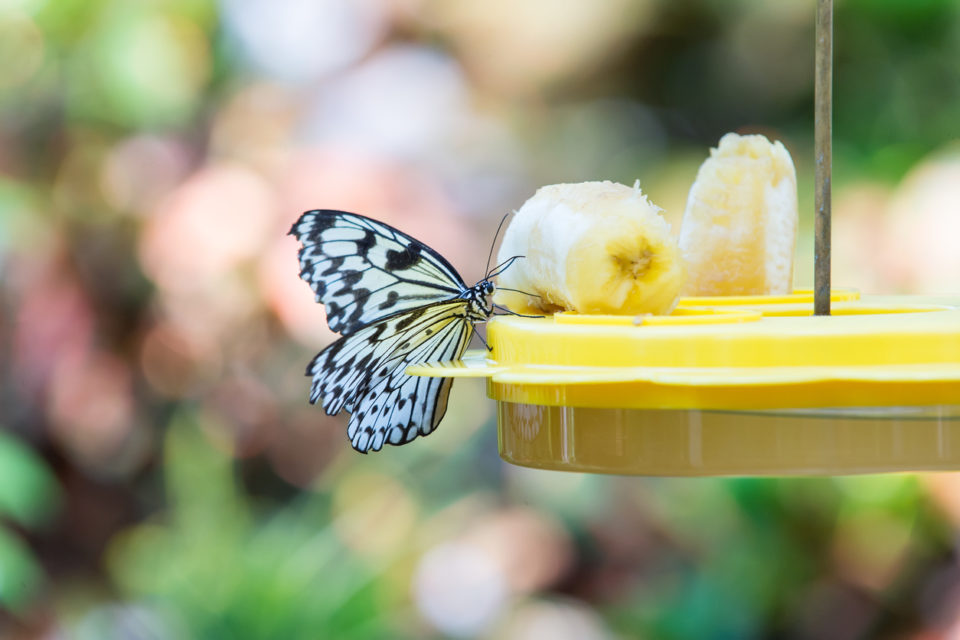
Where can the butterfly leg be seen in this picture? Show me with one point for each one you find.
(477, 333)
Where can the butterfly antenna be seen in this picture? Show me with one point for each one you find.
(514, 313)
(500, 268)
(493, 244)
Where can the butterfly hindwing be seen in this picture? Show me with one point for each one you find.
(364, 373)
(400, 408)
(363, 270)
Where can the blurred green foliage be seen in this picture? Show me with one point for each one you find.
(29, 498)
(228, 569)
(897, 83)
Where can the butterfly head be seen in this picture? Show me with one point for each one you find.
(480, 296)
(486, 288)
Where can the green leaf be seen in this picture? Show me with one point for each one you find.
(20, 575)
(29, 494)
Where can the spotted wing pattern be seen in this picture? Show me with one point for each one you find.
(363, 270)
(364, 373)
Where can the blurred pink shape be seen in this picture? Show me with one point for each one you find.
(832, 610)
(245, 415)
(213, 317)
(336, 178)
(217, 219)
(308, 441)
(858, 229)
(922, 244)
(171, 363)
(290, 298)
(54, 319)
(531, 549)
(91, 404)
(944, 488)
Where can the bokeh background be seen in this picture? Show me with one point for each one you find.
(161, 473)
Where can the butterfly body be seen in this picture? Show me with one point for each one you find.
(479, 297)
(396, 302)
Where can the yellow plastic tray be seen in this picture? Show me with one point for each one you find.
(625, 394)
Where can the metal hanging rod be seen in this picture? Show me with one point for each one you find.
(823, 150)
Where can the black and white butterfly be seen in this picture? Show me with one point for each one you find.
(396, 302)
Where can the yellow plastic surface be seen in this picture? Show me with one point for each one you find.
(708, 443)
(612, 389)
(751, 353)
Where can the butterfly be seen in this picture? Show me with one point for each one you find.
(395, 302)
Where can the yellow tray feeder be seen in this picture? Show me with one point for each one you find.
(733, 385)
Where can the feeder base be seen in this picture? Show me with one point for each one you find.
(724, 443)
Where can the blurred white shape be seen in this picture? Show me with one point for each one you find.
(300, 40)
(398, 193)
(459, 589)
(554, 621)
(405, 100)
(413, 102)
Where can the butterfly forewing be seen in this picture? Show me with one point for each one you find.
(363, 270)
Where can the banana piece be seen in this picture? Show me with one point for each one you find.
(740, 225)
(592, 247)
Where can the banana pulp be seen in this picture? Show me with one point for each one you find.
(591, 247)
(739, 228)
